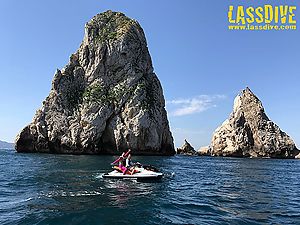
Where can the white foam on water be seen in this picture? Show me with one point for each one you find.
(71, 194)
(99, 176)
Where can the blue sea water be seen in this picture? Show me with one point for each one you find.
(65, 189)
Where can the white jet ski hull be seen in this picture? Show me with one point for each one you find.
(142, 175)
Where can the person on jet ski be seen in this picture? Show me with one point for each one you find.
(122, 163)
(130, 165)
(128, 161)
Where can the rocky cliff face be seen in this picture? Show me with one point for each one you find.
(105, 100)
(250, 133)
(186, 149)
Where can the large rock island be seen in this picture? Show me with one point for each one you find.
(250, 133)
(105, 100)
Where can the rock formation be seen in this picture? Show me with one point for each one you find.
(204, 151)
(250, 133)
(186, 149)
(106, 99)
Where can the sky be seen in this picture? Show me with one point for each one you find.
(202, 65)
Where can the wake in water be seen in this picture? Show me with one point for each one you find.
(61, 193)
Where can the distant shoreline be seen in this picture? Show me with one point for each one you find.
(6, 145)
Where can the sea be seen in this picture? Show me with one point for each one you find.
(69, 189)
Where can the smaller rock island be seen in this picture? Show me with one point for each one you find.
(186, 149)
(250, 133)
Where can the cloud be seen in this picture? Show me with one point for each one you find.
(189, 106)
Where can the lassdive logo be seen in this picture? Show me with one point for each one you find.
(267, 17)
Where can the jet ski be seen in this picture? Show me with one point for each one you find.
(133, 170)
(140, 173)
